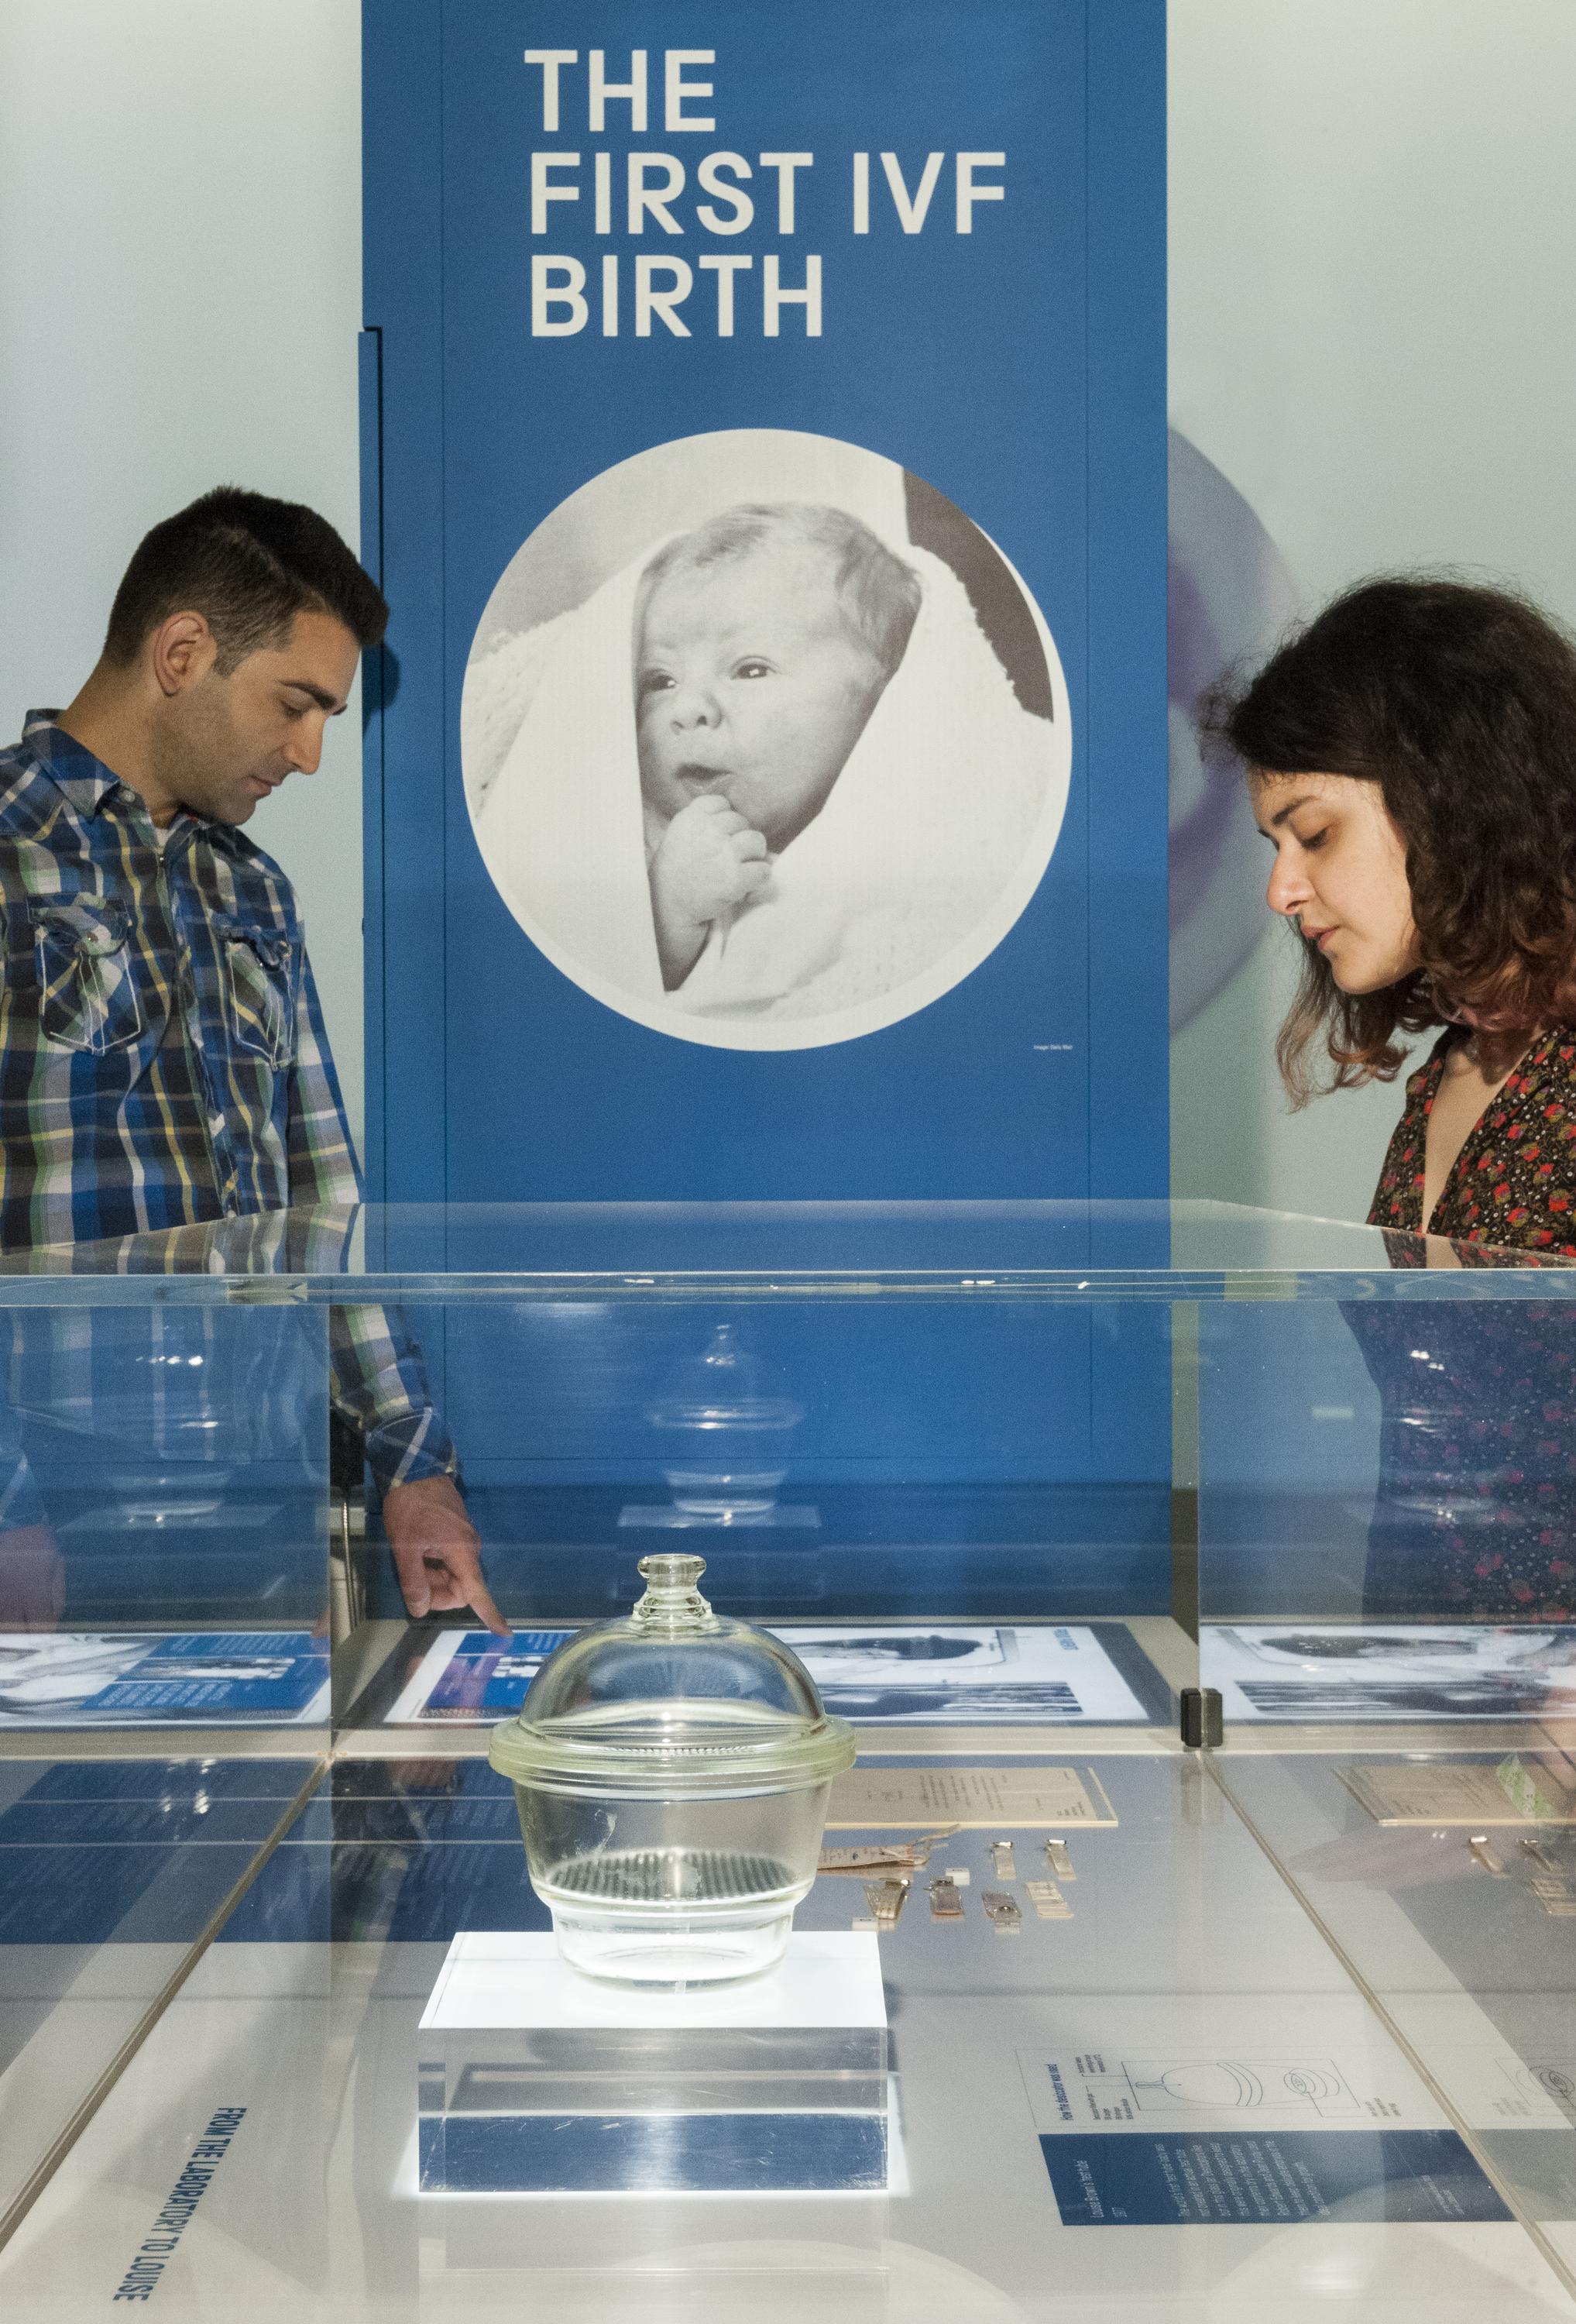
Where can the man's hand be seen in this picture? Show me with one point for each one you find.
(33, 1579)
(710, 860)
(437, 1554)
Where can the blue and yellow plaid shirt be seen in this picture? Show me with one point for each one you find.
(163, 1056)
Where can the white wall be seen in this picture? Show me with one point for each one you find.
(1373, 335)
(181, 291)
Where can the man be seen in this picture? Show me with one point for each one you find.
(163, 1055)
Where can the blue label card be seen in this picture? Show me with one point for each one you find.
(767, 770)
(1114, 2178)
(142, 1679)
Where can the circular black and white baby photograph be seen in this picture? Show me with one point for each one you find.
(765, 743)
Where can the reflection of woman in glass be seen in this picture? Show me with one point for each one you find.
(1411, 758)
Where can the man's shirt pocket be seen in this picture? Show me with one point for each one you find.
(262, 973)
(85, 967)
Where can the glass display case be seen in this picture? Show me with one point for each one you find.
(1197, 1585)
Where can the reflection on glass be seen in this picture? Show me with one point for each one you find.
(723, 1416)
(1475, 1511)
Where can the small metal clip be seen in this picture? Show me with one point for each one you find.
(946, 1903)
(1003, 1913)
(886, 1899)
(1058, 1856)
(1003, 1863)
(1488, 1855)
(1049, 1900)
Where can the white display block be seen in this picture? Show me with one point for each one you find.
(534, 2078)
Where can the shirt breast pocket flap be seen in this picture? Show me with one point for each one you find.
(262, 980)
(85, 970)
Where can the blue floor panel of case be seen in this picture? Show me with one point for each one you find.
(88, 1894)
(415, 1893)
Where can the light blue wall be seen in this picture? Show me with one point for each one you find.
(1372, 224)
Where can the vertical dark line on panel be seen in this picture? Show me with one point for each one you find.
(374, 761)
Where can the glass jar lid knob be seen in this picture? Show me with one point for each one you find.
(672, 1603)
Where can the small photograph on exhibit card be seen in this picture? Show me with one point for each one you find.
(469, 1676)
(934, 1673)
(946, 1672)
(201, 1678)
(1338, 1674)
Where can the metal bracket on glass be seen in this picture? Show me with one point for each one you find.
(1203, 1718)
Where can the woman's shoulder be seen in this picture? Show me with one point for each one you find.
(1548, 1068)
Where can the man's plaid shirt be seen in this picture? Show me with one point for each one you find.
(163, 1056)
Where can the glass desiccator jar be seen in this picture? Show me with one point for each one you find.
(672, 1770)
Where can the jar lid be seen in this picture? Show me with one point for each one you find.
(724, 1389)
(674, 1702)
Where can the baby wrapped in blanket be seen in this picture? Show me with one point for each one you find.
(807, 784)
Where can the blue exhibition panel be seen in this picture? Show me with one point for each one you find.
(978, 194)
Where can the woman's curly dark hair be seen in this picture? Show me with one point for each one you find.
(1459, 703)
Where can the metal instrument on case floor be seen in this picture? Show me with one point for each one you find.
(946, 1902)
(1003, 1862)
(1059, 1857)
(1049, 1900)
(883, 1856)
(886, 1899)
(1003, 1913)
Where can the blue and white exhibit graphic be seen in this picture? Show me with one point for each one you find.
(785, 773)
(936, 1672)
(1337, 1671)
(764, 459)
(126, 1678)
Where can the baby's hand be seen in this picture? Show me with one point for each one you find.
(710, 859)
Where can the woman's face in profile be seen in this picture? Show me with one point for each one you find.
(1340, 873)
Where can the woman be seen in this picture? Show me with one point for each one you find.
(1412, 758)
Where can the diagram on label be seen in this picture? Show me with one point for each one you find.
(1153, 2089)
(1159, 2090)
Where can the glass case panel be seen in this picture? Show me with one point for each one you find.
(165, 1518)
(995, 1471)
(1388, 1505)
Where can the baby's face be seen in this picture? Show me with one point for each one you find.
(750, 682)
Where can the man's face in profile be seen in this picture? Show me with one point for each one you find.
(230, 741)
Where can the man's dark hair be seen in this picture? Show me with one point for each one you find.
(248, 565)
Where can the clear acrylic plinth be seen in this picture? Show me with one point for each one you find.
(534, 2080)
